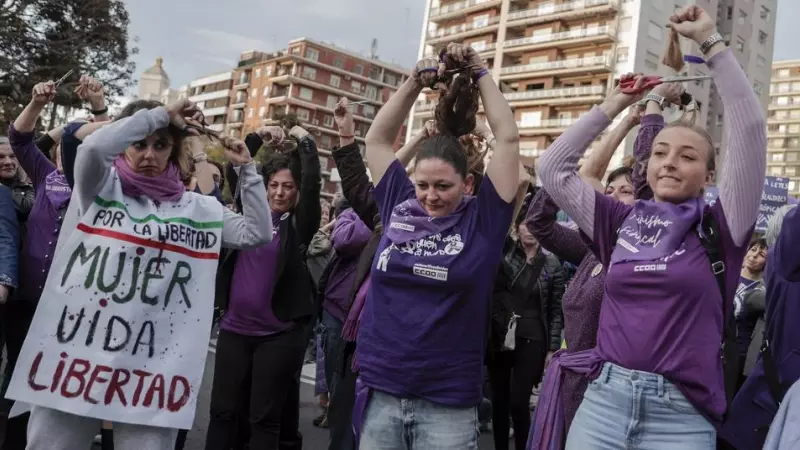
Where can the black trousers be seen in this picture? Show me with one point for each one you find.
(273, 365)
(18, 315)
(513, 374)
(340, 411)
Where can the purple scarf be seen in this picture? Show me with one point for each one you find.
(353, 321)
(410, 221)
(166, 187)
(57, 189)
(547, 427)
(656, 230)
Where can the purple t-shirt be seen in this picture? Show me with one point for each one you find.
(250, 306)
(665, 316)
(423, 329)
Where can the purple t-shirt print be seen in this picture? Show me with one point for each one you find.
(665, 315)
(57, 189)
(423, 327)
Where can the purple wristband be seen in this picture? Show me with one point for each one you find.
(694, 59)
(479, 75)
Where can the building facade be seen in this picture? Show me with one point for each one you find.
(154, 84)
(307, 80)
(554, 60)
(212, 95)
(783, 124)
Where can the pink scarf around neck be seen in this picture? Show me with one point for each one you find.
(166, 187)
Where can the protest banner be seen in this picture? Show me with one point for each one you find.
(121, 333)
(775, 195)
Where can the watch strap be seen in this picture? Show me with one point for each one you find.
(710, 41)
(660, 101)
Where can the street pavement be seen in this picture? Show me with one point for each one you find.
(313, 438)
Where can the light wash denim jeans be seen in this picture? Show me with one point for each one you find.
(392, 423)
(629, 409)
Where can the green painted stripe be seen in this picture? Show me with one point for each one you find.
(115, 204)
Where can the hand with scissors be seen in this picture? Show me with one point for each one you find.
(43, 93)
(618, 100)
(643, 84)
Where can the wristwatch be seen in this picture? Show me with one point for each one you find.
(710, 41)
(660, 101)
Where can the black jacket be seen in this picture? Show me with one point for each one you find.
(293, 298)
(512, 293)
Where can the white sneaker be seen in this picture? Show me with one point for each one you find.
(98, 439)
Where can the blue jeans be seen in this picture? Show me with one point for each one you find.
(631, 409)
(332, 339)
(392, 423)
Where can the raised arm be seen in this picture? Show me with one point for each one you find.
(308, 210)
(595, 166)
(254, 226)
(381, 135)
(356, 187)
(559, 240)
(350, 234)
(72, 137)
(20, 135)
(742, 177)
(408, 151)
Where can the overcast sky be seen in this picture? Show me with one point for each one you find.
(197, 40)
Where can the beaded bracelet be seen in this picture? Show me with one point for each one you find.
(482, 73)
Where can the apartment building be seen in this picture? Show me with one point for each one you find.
(307, 80)
(783, 124)
(554, 60)
(212, 95)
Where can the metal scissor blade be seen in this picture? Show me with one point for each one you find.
(679, 79)
(64, 78)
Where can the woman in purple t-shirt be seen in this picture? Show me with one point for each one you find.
(657, 379)
(423, 329)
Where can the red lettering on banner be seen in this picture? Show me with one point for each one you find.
(95, 378)
(82, 376)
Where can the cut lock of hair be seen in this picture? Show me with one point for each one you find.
(455, 119)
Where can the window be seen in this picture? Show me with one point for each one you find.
(338, 62)
(783, 73)
(777, 157)
(480, 21)
(268, 71)
(625, 23)
(720, 120)
(302, 114)
(622, 54)
(758, 87)
(309, 72)
(790, 171)
(262, 111)
(256, 73)
(651, 60)
(730, 13)
(368, 111)
(742, 17)
(776, 171)
(762, 38)
(794, 128)
(791, 157)
(390, 79)
(324, 142)
(359, 69)
(764, 13)
(739, 44)
(530, 119)
(654, 31)
(295, 50)
(375, 73)
(356, 87)
(266, 91)
(792, 185)
(783, 100)
(249, 112)
(336, 80)
(332, 101)
(253, 93)
(761, 61)
(312, 54)
(371, 92)
(306, 93)
(327, 121)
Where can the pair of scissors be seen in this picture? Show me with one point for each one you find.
(64, 78)
(629, 86)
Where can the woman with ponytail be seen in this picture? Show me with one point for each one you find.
(656, 374)
(421, 351)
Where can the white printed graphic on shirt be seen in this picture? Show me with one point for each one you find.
(402, 226)
(650, 268)
(383, 259)
(432, 245)
(433, 272)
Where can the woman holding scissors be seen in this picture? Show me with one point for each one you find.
(657, 376)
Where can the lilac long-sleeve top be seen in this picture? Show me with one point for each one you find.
(740, 192)
(584, 295)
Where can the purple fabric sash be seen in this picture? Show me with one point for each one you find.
(547, 427)
(655, 230)
(410, 221)
(353, 321)
(363, 394)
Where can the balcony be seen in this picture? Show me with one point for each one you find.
(239, 104)
(218, 111)
(461, 8)
(546, 126)
(206, 96)
(559, 96)
(552, 68)
(242, 83)
(561, 11)
(577, 37)
(464, 30)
